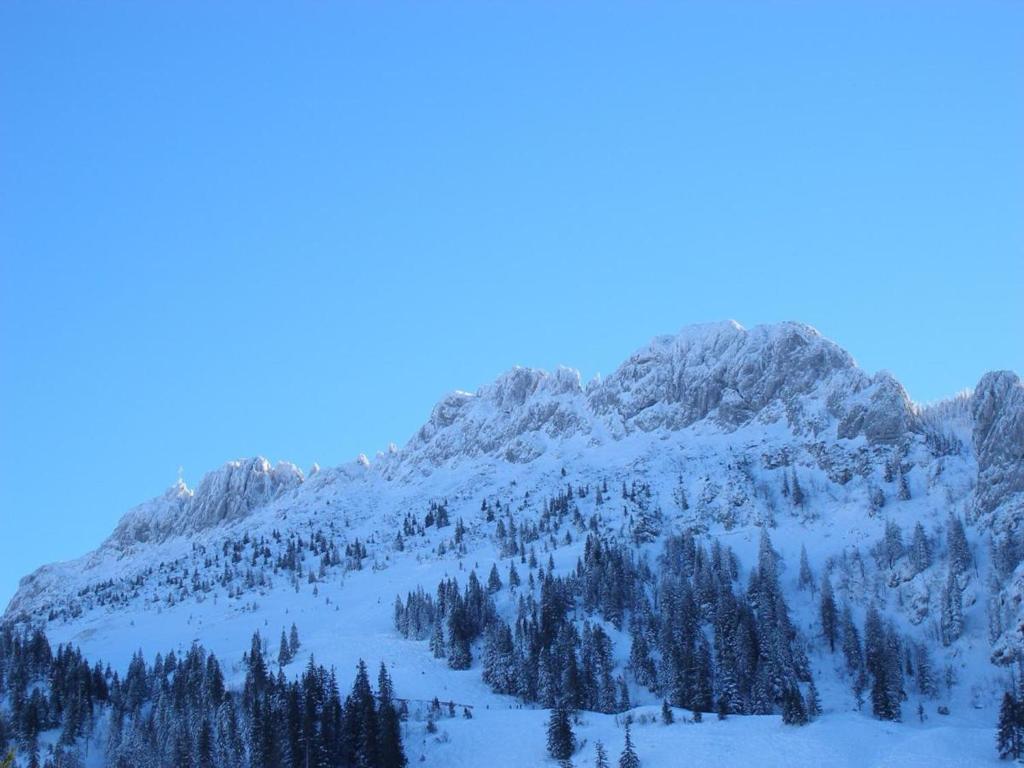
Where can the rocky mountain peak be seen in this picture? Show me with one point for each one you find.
(225, 494)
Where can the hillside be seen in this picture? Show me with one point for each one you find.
(713, 488)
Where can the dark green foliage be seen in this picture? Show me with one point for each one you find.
(882, 657)
(178, 711)
(806, 579)
(666, 713)
(561, 740)
(628, 758)
(951, 618)
(1010, 728)
(794, 710)
(828, 612)
(813, 701)
(956, 541)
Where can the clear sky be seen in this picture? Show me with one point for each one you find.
(287, 229)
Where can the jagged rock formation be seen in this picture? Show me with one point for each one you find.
(997, 408)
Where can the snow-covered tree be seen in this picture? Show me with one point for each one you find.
(1010, 729)
(951, 621)
(828, 611)
(628, 758)
(561, 740)
(806, 579)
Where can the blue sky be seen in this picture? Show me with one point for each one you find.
(230, 229)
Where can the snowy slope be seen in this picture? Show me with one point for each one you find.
(719, 421)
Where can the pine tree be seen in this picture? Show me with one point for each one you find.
(205, 757)
(904, 487)
(362, 713)
(293, 641)
(959, 552)
(813, 701)
(561, 740)
(666, 713)
(1010, 729)
(459, 655)
(951, 621)
(494, 580)
(628, 758)
(513, 575)
(806, 576)
(722, 709)
(920, 549)
(284, 654)
(437, 641)
(640, 662)
(828, 612)
(796, 491)
(794, 711)
(924, 674)
(852, 649)
(875, 662)
(389, 725)
(600, 756)
(893, 542)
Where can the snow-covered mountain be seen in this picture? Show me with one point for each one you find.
(728, 430)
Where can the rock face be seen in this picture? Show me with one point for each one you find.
(679, 380)
(997, 409)
(223, 495)
(885, 416)
(719, 371)
(500, 419)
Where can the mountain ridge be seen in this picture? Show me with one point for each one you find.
(711, 403)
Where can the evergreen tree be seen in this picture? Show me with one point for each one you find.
(284, 654)
(628, 758)
(882, 661)
(794, 711)
(951, 620)
(893, 543)
(389, 726)
(806, 576)
(920, 549)
(363, 724)
(796, 492)
(959, 551)
(494, 580)
(904, 487)
(513, 575)
(1010, 729)
(600, 756)
(205, 756)
(666, 713)
(561, 740)
(813, 701)
(640, 662)
(437, 641)
(828, 612)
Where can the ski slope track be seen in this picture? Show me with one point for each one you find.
(720, 424)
